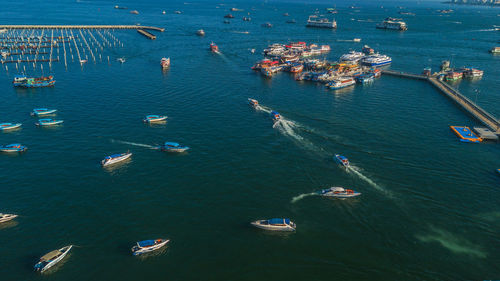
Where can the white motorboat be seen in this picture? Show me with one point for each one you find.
(277, 224)
(115, 158)
(146, 246)
(52, 258)
(7, 217)
(352, 56)
(338, 192)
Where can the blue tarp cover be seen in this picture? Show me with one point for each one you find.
(171, 144)
(146, 243)
(279, 221)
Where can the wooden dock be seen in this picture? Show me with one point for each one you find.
(147, 34)
(50, 26)
(465, 103)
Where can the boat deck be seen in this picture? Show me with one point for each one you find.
(465, 134)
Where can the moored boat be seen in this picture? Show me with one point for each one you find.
(277, 224)
(7, 217)
(147, 246)
(52, 258)
(342, 160)
(165, 63)
(48, 122)
(115, 158)
(200, 32)
(16, 147)
(228, 16)
(267, 24)
(29, 82)
(214, 48)
(341, 82)
(42, 111)
(173, 147)
(352, 57)
(367, 50)
(473, 73)
(365, 78)
(495, 50)
(296, 67)
(339, 192)
(9, 126)
(154, 118)
(254, 103)
(315, 21)
(453, 76)
(392, 23)
(275, 116)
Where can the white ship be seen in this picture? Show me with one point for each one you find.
(315, 21)
(392, 23)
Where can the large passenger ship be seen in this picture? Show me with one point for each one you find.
(315, 21)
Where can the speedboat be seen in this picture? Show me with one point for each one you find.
(7, 217)
(342, 160)
(275, 116)
(48, 122)
(173, 147)
(115, 158)
(13, 148)
(147, 246)
(278, 224)
(165, 63)
(200, 32)
(50, 259)
(122, 60)
(341, 82)
(9, 126)
(42, 111)
(376, 60)
(154, 118)
(339, 192)
(253, 102)
(214, 48)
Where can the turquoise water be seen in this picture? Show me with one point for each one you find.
(429, 204)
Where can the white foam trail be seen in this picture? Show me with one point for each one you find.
(300, 197)
(358, 173)
(452, 242)
(136, 144)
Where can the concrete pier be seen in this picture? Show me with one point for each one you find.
(147, 34)
(50, 26)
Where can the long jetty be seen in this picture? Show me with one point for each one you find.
(465, 103)
(35, 26)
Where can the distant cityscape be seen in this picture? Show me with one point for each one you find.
(476, 2)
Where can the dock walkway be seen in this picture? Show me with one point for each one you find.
(52, 26)
(465, 103)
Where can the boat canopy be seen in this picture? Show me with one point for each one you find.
(146, 243)
(171, 144)
(51, 255)
(113, 156)
(279, 221)
(340, 189)
(153, 116)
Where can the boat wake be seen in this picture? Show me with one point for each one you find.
(355, 170)
(136, 144)
(452, 242)
(302, 196)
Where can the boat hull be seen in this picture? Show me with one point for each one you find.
(285, 228)
(11, 127)
(7, 217)
(116, 160)
(136, 251)
(58, 259)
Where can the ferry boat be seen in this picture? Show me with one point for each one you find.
(339, 192)
(341, 82)
(42, 111)
(115, 158)
(296, 67)
(147, 246)
(376, 60)
(367, 50)
(342, 160)
(214, 48)
(13, 148)
(28, 82)
(275, 116)
(277, 224)
(352, 56)
(254, 103)
(453, 76)
(48, 122)
(165, 63)
(393, 24)
(315, 21)
(154, 118)
(173, 147)
(200, 32)
(9, 126)
(473, 73)
(229, 16)
(7, 217)
(52, 258)
(495, 50)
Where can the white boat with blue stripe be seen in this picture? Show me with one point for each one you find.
(338, 192)
(115, 158)
(155, 118)
(276, 224)
(376, 60)
(43, 111)
(147, 246)
(15, 147)
(173, 147)
(9, 126)
(48, 122)
(50, 259)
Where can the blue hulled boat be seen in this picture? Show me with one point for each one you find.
(48, 122)
(13, 148)
(275, 116)
(342, 160)
(173, 147)
(29, 82)
(9, 126)
(154, 118)
(42, 111)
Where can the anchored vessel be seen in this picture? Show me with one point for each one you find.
(341, 82)
(173, 147)
(154, 118)
(277, 224)
(339, 192)
(52, 258)
(16, 147)
(165, 63)
(147, 246)
(376, 60)
(42, 111)
(48, 122)
(392, 23)
(115, 158)
(315, 21)
(9, 126)
(25, 82)
(7, 217)
(200, 32)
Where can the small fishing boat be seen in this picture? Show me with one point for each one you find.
(7, 217)
(165, 63)
(115, 158)
(339, 192)
(200, 32)
(134, 12)
(342, 160)
(229, 16)
(13, 148)
(48, 122)
(147, 246)
(173, 147)
(178, 12)
(253, 103)
(214, 48)
(267, 24)
(154, 118)
(122, 60)
(296, 67)
(9, 126)
(277, 224)
(275, 116)
(51, 258)
(42, 111)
